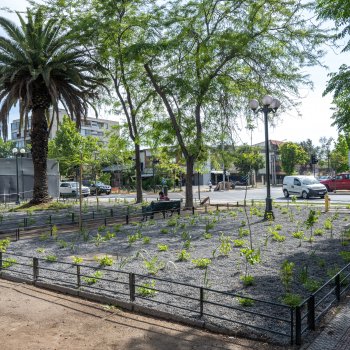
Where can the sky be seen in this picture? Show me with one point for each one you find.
(315, 120)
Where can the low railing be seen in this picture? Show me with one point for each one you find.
(191, 302)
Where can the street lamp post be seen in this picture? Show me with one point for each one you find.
(269, 104)
(18, 152)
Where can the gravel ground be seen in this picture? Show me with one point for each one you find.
(315, 261)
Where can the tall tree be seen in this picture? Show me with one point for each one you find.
(41, 66)
(339, 83)
(248, 158)
(204, 50)
(6, 148)
(107, 28)
(339, 155)
(291, 155)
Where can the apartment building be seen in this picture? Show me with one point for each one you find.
(91, 126)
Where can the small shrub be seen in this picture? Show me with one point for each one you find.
(286, 275)
(8, 262)
(93, 278)
(164, 231)
(98, 239)
(54, 231)
(201, 263)
(238, 242)
(243, 223)
(62, 244)
(278, 227)
(105, 261)
(147, 289)
(109, 235)
(172, 222)
(162, 247)
(187, 244)
(154, 265)
(245, 302)
(184, 255)
(312, 285)
(345, 256)
(101, 228)
(292, 300)
(4, 243)
(117, 227)
(247, 280)
(77, 260)
(225, 245)
(44, 237)
(146, 240)
(51, 258)
(243, 232)
(207, 235)
(319, 232)
(328, 225)
(298, 234)
(40, 250)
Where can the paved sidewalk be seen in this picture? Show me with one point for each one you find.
(336, 334)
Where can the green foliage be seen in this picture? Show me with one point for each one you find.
(164, 231)
(44, 237)
(291, 155)
(4, 243)
(134, 238)
(247, 158)
(287, 275)
(187, 244)
(153, 265)
(109, 235)
(94, 278)
(62, 244)
(319, 232)
(243, 232)
(54, 231)
(146, 240)
(292, 300)
(117, 227)
(201, 263)
(147, 289)
(298, 234)
(247, 280)
(172, 222)
(8, 262)
(105, 261)
(77, 260)
(278, 227)
(51, 258)
(162, 247)
(184, 255)
(207, 235)
(345, 256)
(246, 302)
(98, 239)
(238, 242)
(225, 245)
(328, 224)
(312, 285)
(40, 250)
(243, 223)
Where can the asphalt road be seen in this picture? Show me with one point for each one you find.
(238, 194)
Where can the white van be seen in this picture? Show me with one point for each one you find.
(303, 186)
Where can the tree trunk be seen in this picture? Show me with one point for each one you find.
(189, 188)
(138, 174)
(39, 141)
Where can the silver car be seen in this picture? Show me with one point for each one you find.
(71, 189)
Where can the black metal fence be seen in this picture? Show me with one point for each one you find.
(210, 306)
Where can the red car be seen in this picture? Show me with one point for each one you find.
(339, 182)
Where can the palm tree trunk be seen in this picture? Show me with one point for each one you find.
(39, 140)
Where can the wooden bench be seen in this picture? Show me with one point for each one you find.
(161, 207)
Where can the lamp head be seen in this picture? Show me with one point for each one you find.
(254, 105)
(275, 104)
(22, 151)
(15, 150)
(267, 100)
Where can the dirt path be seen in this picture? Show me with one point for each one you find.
(32, 318)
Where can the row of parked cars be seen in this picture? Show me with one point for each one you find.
(309, 186)
(72, 189)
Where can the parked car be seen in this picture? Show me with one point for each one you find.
(100, 187)
(339, 182)
(303, 186)
(71, 189)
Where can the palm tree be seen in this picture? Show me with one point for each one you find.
(40, 66)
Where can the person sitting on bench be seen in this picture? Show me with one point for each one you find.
(163, 197)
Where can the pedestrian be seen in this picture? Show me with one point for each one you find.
(210, 185)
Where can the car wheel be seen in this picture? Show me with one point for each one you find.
(305, 195)
(108, 193)
(285, 193)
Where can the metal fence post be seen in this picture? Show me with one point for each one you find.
(132, 286)
(72, 217)
(50, 220)
(78, 276)
(0, 261)
(35, 269)
(217, 207)
(201, 301)
(291, 326)
(298, 325)
(311, 312)
(192, 210)
(205, 208)
(337, 286)
(127, 219)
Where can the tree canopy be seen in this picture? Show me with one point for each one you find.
(292, 154)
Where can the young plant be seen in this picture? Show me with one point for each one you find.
(98, 239)
(51, 258)
(319, 232)
(201, 263)
(147, 289)
(94, 278)
(292, 300)
(40, 250)
(238, 243)
(105, 261)
(153, 265)
(247, 302)
(310, 222)
(247, 280)
(225, 245)
(77, 260)
(184, 255)
(207, 235)
(162, 247)
(109, 235)
(287, 275)
(4, 243)
(54, 232)
(146, 240)
(242, 232)
(8, 262)
(62, 244)
(251, 258)
(164, 231)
